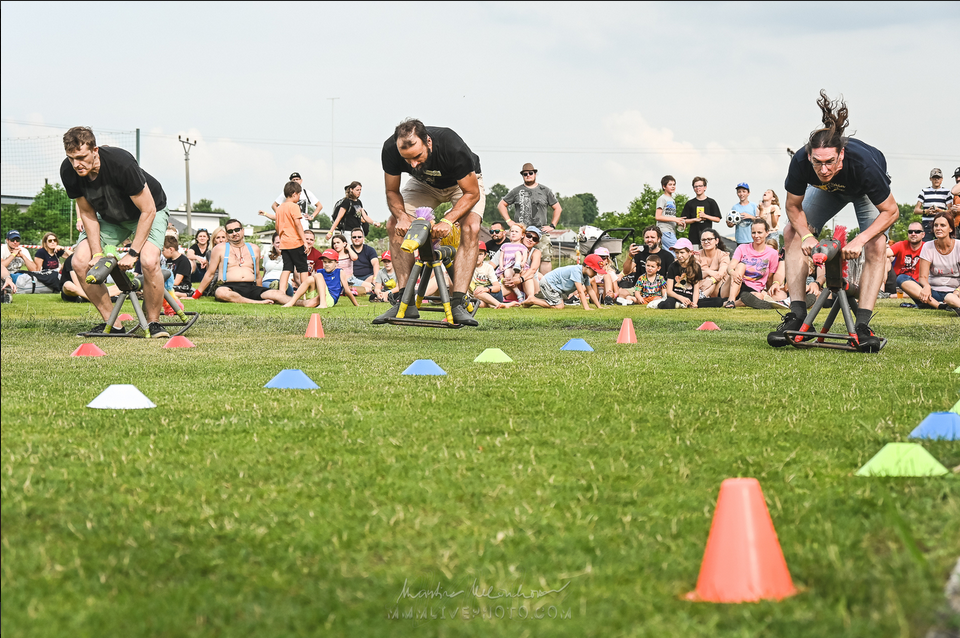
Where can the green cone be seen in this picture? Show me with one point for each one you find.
(956, 407)
(493, 355)
(902, 459)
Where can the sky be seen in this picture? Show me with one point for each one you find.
(600, 97)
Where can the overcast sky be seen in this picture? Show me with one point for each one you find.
(601, 97)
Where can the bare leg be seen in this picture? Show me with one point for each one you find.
(402, 261)
(301, 291)
(466, 260)
(152, 282)
(873, 271)
(225, 294)
(95, 293)
(795, 264)
(284, 278)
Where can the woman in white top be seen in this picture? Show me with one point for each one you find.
(272, 265)
(938, 271)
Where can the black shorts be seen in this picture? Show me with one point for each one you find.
(246, 289)
(71, 299)
(294, 259)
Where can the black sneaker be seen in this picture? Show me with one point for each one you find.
(791, 321)
(101, 328)
(608, 300)
(462, 316)
(753, 301)
(157, 331)
(411, 313)
(867, 339)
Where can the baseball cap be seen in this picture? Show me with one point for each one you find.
(603, 252)
(936, 173)
(295, 174)
(534, 229)
(593, 262)
(13, 234)
(956, 173)
(483, 247)
(743, 185)
(682, 243)
(330, 253)
(385, 256)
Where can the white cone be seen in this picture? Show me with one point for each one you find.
(121, 397)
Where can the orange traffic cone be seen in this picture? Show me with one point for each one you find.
(708, 325)
(88, 350)
(179, 342)
(315, 328)
(743, 561)
(125, 317)
(627, 335)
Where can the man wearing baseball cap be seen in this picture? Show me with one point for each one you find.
(558, 284)
(531, 203)
(307, 199)
(930, 201)
(13, 255)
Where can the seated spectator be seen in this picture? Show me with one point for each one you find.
(607, 281)
(199, 254)
(484, 286)
(651, 286)
(561, 282)
(510, 260)
(906, 255)
(366, 265)
(9, 288)
(218, 236)
(13, 256)
(714, 261)
(751, 266)
(776, 285)
(683, 281)
(527, 279)
(50, 253)
(314, 257)
(340, 244)
(330, 282)
(179, 265)
(386, 279)
(70, 289)
(651, 246)
(938, 271)
(269, 275)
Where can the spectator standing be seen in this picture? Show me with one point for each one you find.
(307, 199)
(349, 212)
(938, 271)
(366, 265)
(769, 210)
(532, 203)
(748, 212)
(199, 254)
(666, 213)
(703, 211)
(930, 201)
(15, 256)
(292, 238)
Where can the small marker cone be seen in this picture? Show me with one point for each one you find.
(179, 342)
(493, 355)
(121, 397)
(956, 407)
(314, 328)
(88, 350)
(708, 325)
(743, 561)
(902, 459)
(292, 380)
(125, 317)
(938, 425)
(957, 371)
(627, 334)
(424, 367)
(577, 345)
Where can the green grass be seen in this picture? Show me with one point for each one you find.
(233, 510)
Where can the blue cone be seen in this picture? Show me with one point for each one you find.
(292, 380)
(938, 425)
(577, 344)
(425, 367)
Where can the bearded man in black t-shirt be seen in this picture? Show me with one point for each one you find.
(442, 168)
(830, 172)
(115, 199)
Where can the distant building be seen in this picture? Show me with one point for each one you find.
(23, 203)
(178, 218)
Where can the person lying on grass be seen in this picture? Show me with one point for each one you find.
(236, 263)
(751, 266)
(558, 284)
(330, 282)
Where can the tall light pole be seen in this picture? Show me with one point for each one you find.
(333, 189)
(187, 145)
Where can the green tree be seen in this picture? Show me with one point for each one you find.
(641, 212)
(49, 212)
(490, 212)
(206, 206)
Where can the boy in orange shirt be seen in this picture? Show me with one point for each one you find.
(291, 235)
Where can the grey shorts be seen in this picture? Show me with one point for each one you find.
(549, 294)
(821, 206)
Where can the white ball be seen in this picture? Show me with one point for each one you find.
(733, 217)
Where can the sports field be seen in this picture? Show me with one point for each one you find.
(588, 477)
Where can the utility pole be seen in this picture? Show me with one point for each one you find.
(187, 145)
(333, 189)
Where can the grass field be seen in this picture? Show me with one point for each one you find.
(233, 510)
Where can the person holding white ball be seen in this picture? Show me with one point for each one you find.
(747, 213)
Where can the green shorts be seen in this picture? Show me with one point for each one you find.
(114, 233)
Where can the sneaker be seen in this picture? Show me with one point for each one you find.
(791, 321)
(781, 304)
(867, 339)
(101, 328)
(624, 301)
(607, 300)
(751, 300)
(157, 331)
(811, 299)
(908, 305)
(883, 295)
(462, 316)
(411, 313)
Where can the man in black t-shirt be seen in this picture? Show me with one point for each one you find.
(652, 237)
(701, 208)
(830, 172)
(115, 199)
(442, 169)
(179, 265)
(367, 264)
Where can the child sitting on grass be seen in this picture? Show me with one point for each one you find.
(330, 282)
(510, 260)
(558, 284)
(485, 286)
(651, 286)
(386, 279)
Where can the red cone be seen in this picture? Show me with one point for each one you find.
(125, 317)
(179, 342)
(314, 328)
(627, 334)
(88, 350)
(708, 325)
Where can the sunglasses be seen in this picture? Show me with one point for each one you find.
(233, 231)
(528, 173)
(914, 232)
(494, 231)
(531, 236)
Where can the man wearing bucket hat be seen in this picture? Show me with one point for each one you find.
(531, 203)
(931, 201)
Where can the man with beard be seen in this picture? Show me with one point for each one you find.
(443, 169)
(637, 259)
